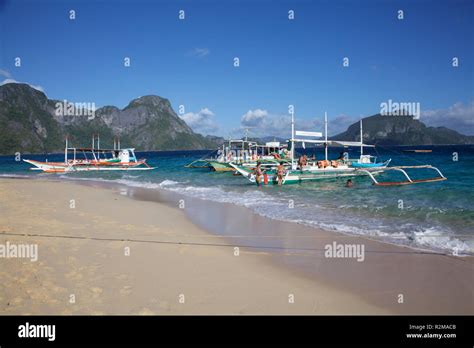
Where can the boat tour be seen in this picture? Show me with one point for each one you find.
(312, 169)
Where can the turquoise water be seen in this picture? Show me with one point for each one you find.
(436, 216)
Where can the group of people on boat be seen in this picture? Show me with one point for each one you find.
(253, 155)
(280, 174)
(302, 162)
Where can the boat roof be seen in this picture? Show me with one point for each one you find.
(332, 142)
(272, 144)
(348, 143)
(241, 141)
(90, 149)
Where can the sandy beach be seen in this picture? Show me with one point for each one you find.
(126, 251)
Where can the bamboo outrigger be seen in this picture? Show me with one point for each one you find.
(409, 179)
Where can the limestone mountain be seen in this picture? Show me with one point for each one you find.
(29, 123)
(402, 130)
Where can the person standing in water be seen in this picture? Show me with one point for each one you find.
(349, 183)
(258, 173)
(280, 173)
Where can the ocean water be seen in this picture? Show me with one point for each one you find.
(435, 216)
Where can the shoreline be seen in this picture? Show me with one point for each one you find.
(170, 197)
(293, 250)
(300, 256)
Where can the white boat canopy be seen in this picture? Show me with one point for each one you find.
(348, 143)
(332, 142)
(309, 134)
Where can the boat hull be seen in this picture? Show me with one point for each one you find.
(312, 174)
(370, 165)
(299, 176)
(58, 167)
(220, 166)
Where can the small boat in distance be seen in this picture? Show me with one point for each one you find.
(418, 151)
(93, 159)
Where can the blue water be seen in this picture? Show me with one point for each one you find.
(436, 216)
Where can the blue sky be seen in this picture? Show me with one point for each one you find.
(282, 61)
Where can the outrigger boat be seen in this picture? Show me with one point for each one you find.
(365, 165)
(244, 153)
(98, 160)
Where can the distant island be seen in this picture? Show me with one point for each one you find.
(31, 123)
(402, 130)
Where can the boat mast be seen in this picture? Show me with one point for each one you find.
(93, 143)
(243, 144)
(326, 136)
(98, 146)
(292, 137)
(361, 139)
(65, 152)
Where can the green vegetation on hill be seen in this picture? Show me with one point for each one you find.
(28, 123)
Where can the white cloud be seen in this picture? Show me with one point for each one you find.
(458, 116)
(4, 82)
(201, 122)
(5, 74)
(254, 118)
(200, 52)
(263, 123)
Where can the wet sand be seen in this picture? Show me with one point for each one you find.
(182, 261)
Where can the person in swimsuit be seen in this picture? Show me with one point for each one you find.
(305, 160)
(280, 173)
(258, 173)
